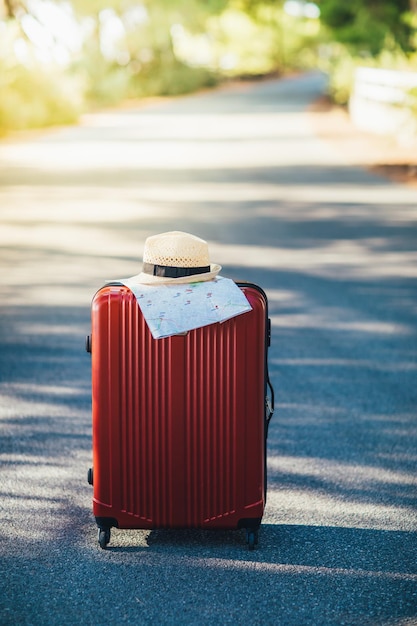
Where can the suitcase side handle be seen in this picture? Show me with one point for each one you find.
(269, 400)
(269, 403)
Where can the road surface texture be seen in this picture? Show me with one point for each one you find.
(333, 245)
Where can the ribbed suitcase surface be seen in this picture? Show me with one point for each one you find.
(178, 423)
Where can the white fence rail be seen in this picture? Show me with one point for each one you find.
(381, 103)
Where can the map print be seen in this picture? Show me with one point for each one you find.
(172, 309)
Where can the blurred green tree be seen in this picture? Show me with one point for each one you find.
(369, 26)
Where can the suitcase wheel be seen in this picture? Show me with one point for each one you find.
(103, 537)
(251, 538)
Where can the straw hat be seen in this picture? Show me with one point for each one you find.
(176, 257)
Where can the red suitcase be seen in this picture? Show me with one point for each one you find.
(179, 424)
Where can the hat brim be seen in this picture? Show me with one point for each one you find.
(149, 279)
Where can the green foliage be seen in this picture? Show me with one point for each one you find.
(231, 33)
(149, 67)
(34, 98)
(105, 83)
(340, 67)
(413, 100)
(374, 34)
(263, 40)
(170, 47)
(369, 26)
(170, 78)
(33, 94)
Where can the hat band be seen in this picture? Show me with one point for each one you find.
(173, 272)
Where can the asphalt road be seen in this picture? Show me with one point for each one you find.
(335, 249)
